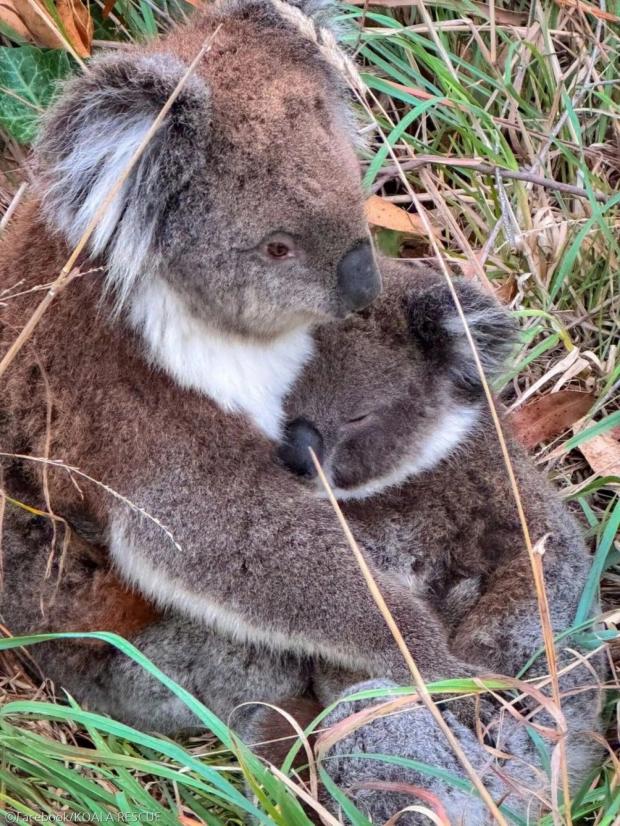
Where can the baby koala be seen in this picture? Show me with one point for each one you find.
(394, 409)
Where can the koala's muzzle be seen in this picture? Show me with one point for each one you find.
(359, 280)
(299, 435)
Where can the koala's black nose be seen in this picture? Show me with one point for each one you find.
(299, 435)
(359, 280)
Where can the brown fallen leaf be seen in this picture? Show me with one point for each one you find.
(602, 453)
(28, 23)
(546, 417)
(382, 213)
(505, 290)
(9, 16)
(32, 21)
(78, 24)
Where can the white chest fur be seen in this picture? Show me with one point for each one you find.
(239, 374)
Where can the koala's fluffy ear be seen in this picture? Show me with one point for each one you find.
(90, 135)
(437, 329)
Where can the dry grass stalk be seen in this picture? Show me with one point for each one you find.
(13, 206)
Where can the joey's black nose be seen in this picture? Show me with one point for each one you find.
(299, 435)
(359, 280)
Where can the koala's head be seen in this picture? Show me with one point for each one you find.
(395, 389)
(247, 201)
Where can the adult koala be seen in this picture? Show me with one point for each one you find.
(163, 376)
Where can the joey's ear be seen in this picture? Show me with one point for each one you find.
(89, 137)
(437, 330)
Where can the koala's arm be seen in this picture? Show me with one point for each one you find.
(259, 557)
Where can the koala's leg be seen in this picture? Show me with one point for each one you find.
(413, 734)
(219, 672)
(503, 629)
(83, 595)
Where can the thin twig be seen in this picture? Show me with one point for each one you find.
(485, 169)
(13, 206)
(71, 470)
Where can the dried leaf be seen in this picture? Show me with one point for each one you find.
(78, 25)
(27, 22)
(382, 213)
(32, 21)
(603, 454)
(549, 416)
(506, 290)
(9, 16)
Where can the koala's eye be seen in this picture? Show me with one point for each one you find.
(278, 247)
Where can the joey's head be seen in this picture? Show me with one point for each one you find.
(393, 390)
(246, 207)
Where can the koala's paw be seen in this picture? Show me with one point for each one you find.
(437, 329)
(413, 735)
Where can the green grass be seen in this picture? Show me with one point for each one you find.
(535, 92)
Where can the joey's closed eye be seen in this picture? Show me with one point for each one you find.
(356, 423)
(362, 417)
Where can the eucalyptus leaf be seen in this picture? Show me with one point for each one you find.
(28, 82)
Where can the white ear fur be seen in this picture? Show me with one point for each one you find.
(87, 142)
(100, 156)
(493, 331)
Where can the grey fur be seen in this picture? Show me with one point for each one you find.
(214, 668)
(414, 735)
(216, 147)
